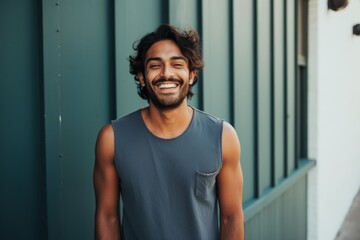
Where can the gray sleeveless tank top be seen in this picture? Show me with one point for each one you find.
(168, 186)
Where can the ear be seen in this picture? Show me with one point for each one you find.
(192, 77)
(141, 79)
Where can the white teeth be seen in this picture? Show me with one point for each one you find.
(167, 85)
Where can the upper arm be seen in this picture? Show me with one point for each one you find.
(230, 178)
(106, 180)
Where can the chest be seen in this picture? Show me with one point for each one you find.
(166, 166)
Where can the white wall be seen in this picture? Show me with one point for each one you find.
(334, 116)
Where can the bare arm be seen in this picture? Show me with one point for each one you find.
(230, 187)
(106, 184)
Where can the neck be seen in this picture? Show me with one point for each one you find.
(167, 123)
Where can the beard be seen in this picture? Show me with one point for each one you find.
(167, 101)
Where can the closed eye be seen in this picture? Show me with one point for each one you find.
(154, 66)
(178, 65)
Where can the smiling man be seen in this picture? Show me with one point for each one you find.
(172, 164)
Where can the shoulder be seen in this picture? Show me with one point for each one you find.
(206, 115)
(105, 142)
(106, 132)
(230, 142)
(209, 121)
(229, 131)
(126, 118)
(126, 124)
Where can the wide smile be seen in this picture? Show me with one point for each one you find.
(167, 87)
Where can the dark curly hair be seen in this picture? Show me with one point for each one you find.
(187, 41)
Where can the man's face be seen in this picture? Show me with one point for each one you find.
(167, 76)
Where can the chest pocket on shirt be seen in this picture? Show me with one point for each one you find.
(205, 184)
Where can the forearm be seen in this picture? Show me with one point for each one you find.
(232, 228)
(107, 228)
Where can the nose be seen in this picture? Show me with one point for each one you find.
(166, 72)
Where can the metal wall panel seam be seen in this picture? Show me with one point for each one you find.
(231, 59)
(166, 11)
(272, 77)
(60, 140)
(286, 160)
(43, 204)
(53, 117)
(296, 142)
(112, 67)
(255, 112)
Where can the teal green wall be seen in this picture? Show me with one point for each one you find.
(64, 74)
(283, 218)
(22, 173)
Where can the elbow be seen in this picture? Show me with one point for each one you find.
(107, 227)
(235, 217)
(109, 218)
(232, 226)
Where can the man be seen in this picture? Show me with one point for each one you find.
(172, 164)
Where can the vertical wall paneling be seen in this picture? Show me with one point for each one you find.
(52, 93)
(77, 81)
(64, 74)
(243, 50)
(264, 90)
(284, 218)
(22, 181)
(131, 23)
(86, 105)
(184, 14)
(216, 52)
(290, 79)
(279, 94)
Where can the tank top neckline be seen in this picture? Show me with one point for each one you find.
(187, 129)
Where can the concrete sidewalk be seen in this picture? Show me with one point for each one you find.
(350, 229)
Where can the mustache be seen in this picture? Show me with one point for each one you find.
(160, 80)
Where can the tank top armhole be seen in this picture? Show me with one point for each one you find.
(115, 147)
(220, 144)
